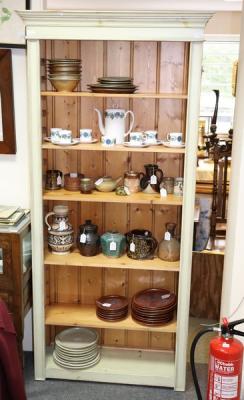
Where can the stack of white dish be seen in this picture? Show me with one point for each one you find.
(76, 348)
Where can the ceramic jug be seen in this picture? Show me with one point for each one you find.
(150, 181)
(60, 232)
(141, 245)
(115, 123)
(169, 247)
(88, 239)
(132, 181)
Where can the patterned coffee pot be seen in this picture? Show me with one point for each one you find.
(60, 232)
(115, 123)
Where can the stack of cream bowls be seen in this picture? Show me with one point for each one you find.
(76, 348)
(64, 74)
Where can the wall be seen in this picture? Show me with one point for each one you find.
(14, 175)
(213, 5)
(224, 23)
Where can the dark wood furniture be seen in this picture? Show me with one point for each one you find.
(8, 140)
(15, 273)
(206, 284)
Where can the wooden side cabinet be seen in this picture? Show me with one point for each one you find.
(15, 273)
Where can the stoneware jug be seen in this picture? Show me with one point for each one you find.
(150, 181)
(141, 245)
(60, 232)
(169, 247)
(115, 123)
(88, 239)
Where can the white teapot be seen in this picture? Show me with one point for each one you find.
(115, 123)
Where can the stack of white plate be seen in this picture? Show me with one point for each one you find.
(76, 348)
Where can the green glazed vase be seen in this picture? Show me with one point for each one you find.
(113, 244)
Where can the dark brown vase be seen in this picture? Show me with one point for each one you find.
(88, 239)
(150, 181)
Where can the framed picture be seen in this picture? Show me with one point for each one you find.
(7, 120)
(12, 30)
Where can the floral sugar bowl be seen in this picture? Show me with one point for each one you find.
(60, 232)
(113, 244)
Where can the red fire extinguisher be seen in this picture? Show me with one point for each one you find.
(225, 362)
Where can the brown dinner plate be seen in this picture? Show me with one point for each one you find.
(147, 323)
(115, 79)
(149, 318)
(154, 299)
(112, 302)
(112, 319)
(112, 90)
(153, 314)
(111, 314)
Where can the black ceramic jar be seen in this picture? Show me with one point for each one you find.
(88, 239)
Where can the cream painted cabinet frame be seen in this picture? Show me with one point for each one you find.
(117, 365)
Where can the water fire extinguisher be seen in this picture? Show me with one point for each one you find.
(225, 362)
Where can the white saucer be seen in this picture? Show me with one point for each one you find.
(89, 142)
(174, 146)
(128, 144)
(156, 143)
(74, 141)
(76, 338)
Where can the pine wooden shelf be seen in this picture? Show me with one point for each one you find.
(136, 367)
(111, 197)
(164, 52)
(178, 96)
(85, 315)
(117, 147)
(101, 261)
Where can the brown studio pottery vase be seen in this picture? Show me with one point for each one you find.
(54, 179)
(88, 239)
(150, 181)
(169, 247)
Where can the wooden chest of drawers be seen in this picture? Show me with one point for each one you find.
(15, 273)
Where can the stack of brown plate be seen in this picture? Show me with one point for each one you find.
(64, 74)
(113, 84)
(112, 308)
(153, 307)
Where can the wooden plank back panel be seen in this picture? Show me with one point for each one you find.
(173, 67)
(144, 66)
(160, 67)
(91, 164)
(116, 63)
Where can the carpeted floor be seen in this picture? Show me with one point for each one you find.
(68, 390)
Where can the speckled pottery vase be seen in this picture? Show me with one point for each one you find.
(169, 247)
(60, 232)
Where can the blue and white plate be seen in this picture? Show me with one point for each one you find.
(166, 143)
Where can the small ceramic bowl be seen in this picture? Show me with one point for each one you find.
(64, 85)
(72, 181)
(86, 185)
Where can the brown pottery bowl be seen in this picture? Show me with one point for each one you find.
(64, 85)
